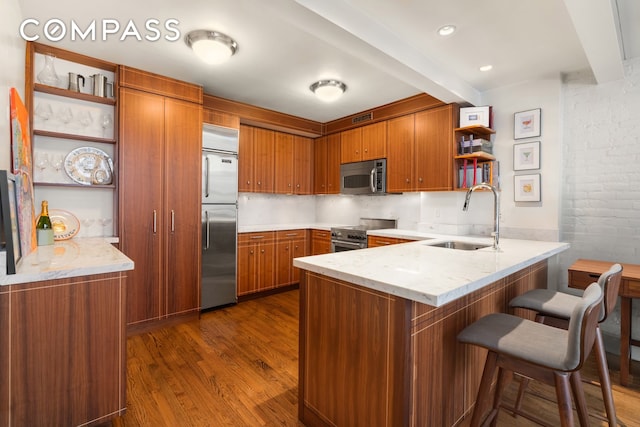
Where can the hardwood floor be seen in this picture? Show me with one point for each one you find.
(238, 366)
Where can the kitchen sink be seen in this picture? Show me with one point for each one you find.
(463, 246)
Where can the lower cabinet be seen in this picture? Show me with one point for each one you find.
(63, 351)
(265, 259)
(289, 245)
(375, 241)
(320, 242)
(256, 262)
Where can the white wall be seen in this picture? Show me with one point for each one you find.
(600, 183)
(532, 220)
(12, 52)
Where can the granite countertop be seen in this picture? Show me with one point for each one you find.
(69, 258)
(428, 274)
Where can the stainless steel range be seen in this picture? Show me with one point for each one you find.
(355, 236)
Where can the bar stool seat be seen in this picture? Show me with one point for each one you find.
(539, 351)
(555, 308)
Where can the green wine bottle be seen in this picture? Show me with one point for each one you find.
(44, 230)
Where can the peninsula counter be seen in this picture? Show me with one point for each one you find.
(378, 328)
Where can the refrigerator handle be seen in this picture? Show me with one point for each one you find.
(173, 221)
(155, 217)
(206, 176)
(206, 215)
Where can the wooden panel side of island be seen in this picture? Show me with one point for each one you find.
(416, 372)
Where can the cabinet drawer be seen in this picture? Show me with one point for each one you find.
(581, 279)
(630, 288)
(266, 236)
(291, 234)
(320, 234)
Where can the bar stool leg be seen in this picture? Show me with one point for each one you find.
(524, 383)
(578, 396)
(605, 380)
(564, 399)
(484, 395)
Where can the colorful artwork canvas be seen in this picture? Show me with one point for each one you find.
(23, 170)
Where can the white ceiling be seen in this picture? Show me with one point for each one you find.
(383, 50)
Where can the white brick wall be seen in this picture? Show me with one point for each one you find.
(600, 211)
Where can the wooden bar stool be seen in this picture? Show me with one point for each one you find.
(538, 351)
(555, 308)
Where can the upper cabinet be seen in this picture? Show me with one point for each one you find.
(400, 154)
(326, 160)
(293, 164)
(434, 148)
(73, 109)
(364, 143)
(420, 149)
(274, 162)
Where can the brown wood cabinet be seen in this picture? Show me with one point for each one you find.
(160, 200)
(289, 245)
(364, 143)
(375, 241)
(293, 164)
(256, 262)
(320, 242)
(420, 149)
(400, 154)
(405, 354)
(435, 142)
(256, 160)
(63, 357)
(326, 169)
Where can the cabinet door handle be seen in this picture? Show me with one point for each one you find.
(257, 237)
(155, 221)
(173, 220)
(291, 234)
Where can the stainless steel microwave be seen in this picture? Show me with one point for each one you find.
(368, 177)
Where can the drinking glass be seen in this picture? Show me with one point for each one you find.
(107, 122)
(57, 162)
(84, 118)
(42, 161)
(105, 222)
(64, 114)
(44, 111)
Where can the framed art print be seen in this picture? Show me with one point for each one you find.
(526, 156)
(526, 124)
(526, 188)
(9, 234)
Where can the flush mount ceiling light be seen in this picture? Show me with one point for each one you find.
(447, 30)
(328, 90)
(486, 67)
(211, 46)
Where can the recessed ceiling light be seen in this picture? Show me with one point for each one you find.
(447, 30)
(486, 67)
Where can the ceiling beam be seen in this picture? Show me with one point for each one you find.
(596, 23)
(411, 66)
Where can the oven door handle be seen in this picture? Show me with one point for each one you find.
(348, 244)
(372, 180)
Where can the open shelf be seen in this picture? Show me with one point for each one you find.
(70, 94)
(477, 130)
(74, 136)
(479, 155)
(64, 184)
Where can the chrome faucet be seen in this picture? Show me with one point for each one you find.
(496, 208)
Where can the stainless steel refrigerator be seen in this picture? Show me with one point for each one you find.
(219, 216)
